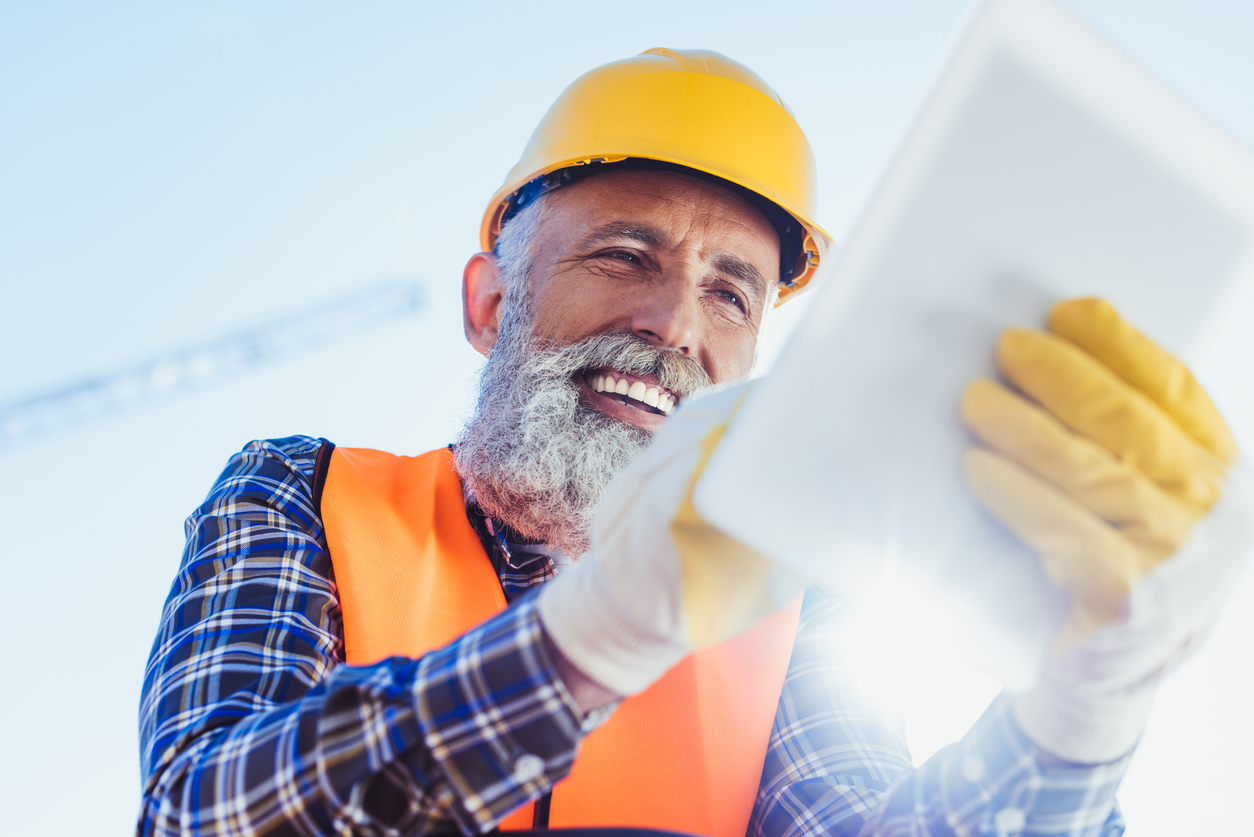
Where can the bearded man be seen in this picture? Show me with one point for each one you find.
(535, 627)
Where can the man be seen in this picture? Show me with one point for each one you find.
(663, 675)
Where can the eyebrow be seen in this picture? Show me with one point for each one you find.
(640, 233)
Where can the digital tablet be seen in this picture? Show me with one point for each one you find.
(1043, 165)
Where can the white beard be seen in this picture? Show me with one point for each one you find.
(535, 455)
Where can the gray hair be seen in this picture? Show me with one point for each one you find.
(515, 256)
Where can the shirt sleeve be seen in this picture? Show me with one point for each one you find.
(250, 723)
(837, 764)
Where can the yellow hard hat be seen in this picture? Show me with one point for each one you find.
(690, 109)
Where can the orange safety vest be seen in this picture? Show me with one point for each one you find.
(686, 754)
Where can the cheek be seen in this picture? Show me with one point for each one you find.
(730, 356)
(569, 309)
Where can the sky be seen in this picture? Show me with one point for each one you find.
(169, 172)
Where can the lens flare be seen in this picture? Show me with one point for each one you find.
(903, 649)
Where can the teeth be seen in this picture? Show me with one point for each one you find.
(636, 390)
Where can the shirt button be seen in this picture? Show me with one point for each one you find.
(1010, 820)
(528, 767)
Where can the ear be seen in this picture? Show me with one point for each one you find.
(482, 295)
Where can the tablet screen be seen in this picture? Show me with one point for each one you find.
(1042, 166)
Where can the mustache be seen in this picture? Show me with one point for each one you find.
(625, 352)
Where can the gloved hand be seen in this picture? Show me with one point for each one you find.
(659, 582)
(1125, 480)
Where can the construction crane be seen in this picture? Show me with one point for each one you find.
(40, 412)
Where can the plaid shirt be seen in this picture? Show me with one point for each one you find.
(249, 723)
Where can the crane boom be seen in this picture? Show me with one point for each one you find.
(41, 411)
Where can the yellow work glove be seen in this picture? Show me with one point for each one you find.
(1106, 465)
(660, 582)
(1107, 461)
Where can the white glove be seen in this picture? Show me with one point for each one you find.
(1092, 701)
(659, 582)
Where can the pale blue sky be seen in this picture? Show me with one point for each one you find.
(168, 171)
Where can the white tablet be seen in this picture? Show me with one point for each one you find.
(1043, 165)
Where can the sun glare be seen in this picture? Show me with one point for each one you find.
(904, 650)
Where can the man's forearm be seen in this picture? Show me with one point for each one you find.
(381, 747)
(997, 775)
(297, 768)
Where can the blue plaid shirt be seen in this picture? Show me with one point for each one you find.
(249, 723)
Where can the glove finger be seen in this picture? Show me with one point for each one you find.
(1096, 327)
(1096, 403)
(1078, 550)
(1120, 494)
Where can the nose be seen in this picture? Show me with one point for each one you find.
(667, 316)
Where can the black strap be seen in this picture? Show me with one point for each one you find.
(540, 813)
(322, 464)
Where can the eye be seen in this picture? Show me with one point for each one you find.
(628, 256)
(732, 297)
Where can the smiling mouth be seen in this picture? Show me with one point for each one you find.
(632, 390)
